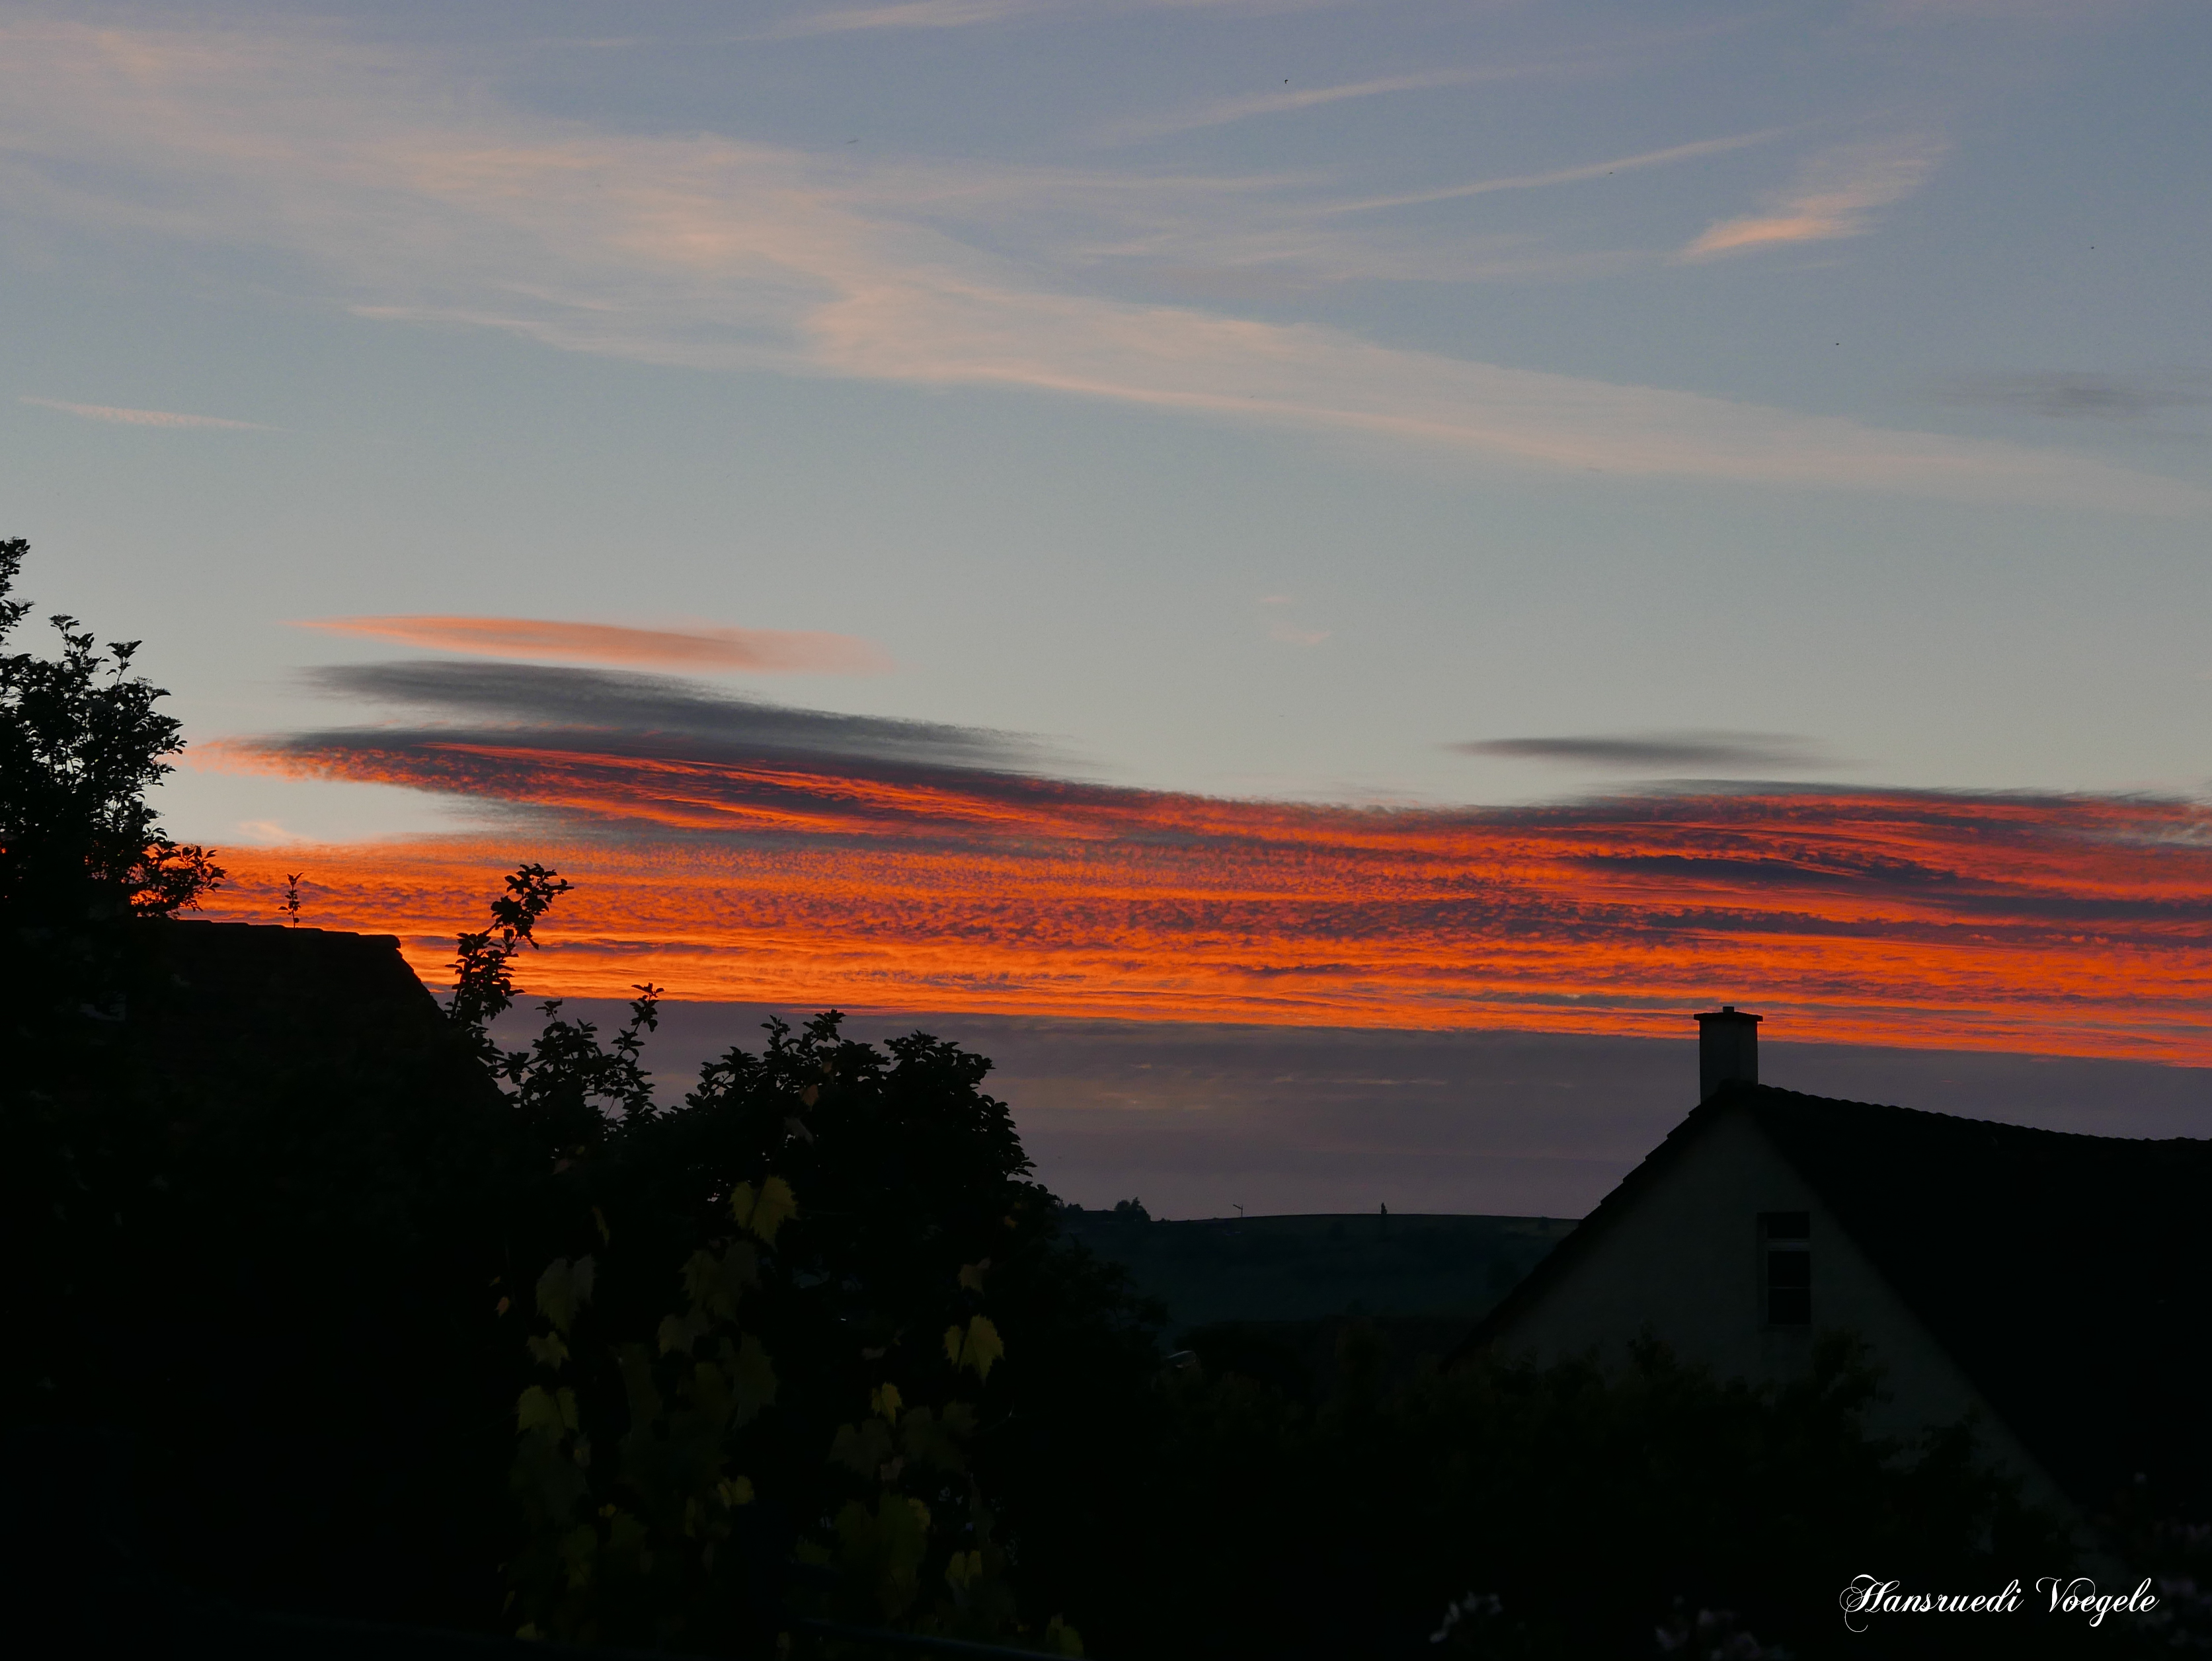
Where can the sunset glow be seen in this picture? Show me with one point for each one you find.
(2070, 925)
(1153, 436)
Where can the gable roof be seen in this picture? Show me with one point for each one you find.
(2069, 1277)
(287, 996)
(225, 1012)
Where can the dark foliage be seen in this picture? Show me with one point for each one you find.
(80, 742)
(1574, 1505)
(483, 978)
(915, 1219)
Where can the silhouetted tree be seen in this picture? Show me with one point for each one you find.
(566, 1086)
(897, 1380)
(81, 741)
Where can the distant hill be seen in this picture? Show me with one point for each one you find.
(1313, 1268)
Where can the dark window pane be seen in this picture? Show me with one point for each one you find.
(1786, 1225)
(1789, 1305)
(1789, 1269)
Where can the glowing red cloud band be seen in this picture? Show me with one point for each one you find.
(757, 650)
(2075, 926)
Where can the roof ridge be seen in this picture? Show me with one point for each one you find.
(1768, 1093)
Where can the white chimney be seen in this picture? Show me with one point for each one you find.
(1728, 1049)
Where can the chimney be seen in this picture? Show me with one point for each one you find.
(1728, 1049)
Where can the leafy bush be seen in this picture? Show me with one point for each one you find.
(771, 1371)
(1566, 1511)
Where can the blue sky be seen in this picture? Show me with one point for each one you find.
(1253, 398)
(1444, 405)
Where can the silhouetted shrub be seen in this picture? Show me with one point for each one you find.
(1581, 1509)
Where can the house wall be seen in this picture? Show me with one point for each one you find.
(1683, 1261)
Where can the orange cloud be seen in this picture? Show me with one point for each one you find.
(2062, 925)
(756, 650)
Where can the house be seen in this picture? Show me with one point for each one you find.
(219, 1019)
(251, 1280)
(2058, 1288)
(236, 1001)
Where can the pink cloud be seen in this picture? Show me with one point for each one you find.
(143, 417)
(1834, 196)
(756, 650)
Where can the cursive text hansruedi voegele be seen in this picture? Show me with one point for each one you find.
(1868, 1595)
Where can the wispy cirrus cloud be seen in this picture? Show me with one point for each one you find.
(1649, 752)
(1220, 112)
(741, 851)
(970, 14)
(1834, 196)
(717, 254)
(759, 651)
(903, 15)
(1240, 238)
(1574, 175)
(2085, 12)
(143, 417)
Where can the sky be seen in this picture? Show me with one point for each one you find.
(1192, 517)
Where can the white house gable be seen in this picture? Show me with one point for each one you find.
(1724, 1251)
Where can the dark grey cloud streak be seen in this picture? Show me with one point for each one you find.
(639, 713)
(608, 752)
(2081, 397)
(1649, 752)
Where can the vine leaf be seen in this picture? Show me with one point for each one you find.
(539, 1409)
(978, 1348)
(564, 1289)
(764, 1212)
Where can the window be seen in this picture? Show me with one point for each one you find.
(1785, 1251)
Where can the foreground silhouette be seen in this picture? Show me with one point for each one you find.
(333, 1305)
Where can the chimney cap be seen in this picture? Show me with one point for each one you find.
(1729, 1012)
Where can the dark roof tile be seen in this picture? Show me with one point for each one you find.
(2069, 1277)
